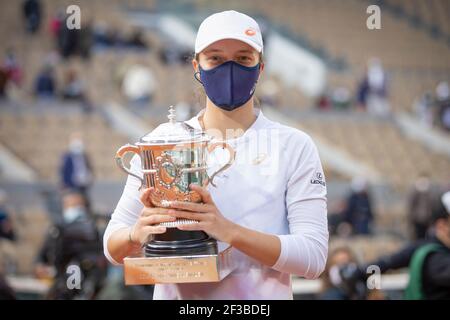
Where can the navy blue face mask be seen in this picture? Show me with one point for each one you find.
(229, 85)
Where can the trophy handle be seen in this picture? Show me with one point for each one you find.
(232, 154)
(119, 159)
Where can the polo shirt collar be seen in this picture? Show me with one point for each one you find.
(260, 122)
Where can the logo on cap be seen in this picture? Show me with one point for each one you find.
(250, 32)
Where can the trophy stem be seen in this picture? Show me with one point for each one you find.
(187, 243)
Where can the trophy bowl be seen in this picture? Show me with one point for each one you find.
(173, 156)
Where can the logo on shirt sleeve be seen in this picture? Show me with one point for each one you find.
(318, 179)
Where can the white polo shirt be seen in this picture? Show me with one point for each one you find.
(276, 185)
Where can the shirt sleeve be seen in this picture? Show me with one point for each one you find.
(128, 208)
(304, 251)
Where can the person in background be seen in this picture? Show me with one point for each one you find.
(169, 54)
(74, 90)
(12, 68)
(55, 23)
(3, 83)
(443, 105)
(139, 84)
(423, 107)
(331, 279)
(6, 227)
(67, 40)
(270, 93)
(103, 35)
(427, 259)
(76, 171)
(184, 110)
(32, 14)
(137, 39)
(6, 232)
(73, 240)
(358, 212)
(338, 282)
(341, 98)
(6, 292)
(372, 92)
(420, 207)
(73, 86)
(323, 102)
(429, 268)
(45, 85)
(336, 217)
(86, 39)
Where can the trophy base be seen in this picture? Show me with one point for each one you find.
(187, 243)
(196, 268)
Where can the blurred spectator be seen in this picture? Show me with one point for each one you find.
(6, 227)
(73, 86)
(338, 98)
(6, 292)
(184, 111)
(420, 206)
(45, 83)
(341, 99)
(171, 54)
(269, 93)
(86, 39)
(136, 40)
(138, 84)
(443, 104)
(333, 287)
(3, 83)
(76, 171)
(32, 14)
(75, 241)
(67, 40)
(12, 68)
(6, 232)
(336, 218)
(423, 107)
(442, 91)
(74, 90)
(433, 270)
(56, 22)
(372, 92)
(358, 212)
(429, 268)
(344, 279)
(324, 103)
(102, 35)
(105, 36)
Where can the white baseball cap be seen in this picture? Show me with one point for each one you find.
(228, 25)
(446, 201)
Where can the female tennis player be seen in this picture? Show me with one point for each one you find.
(270, 204)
